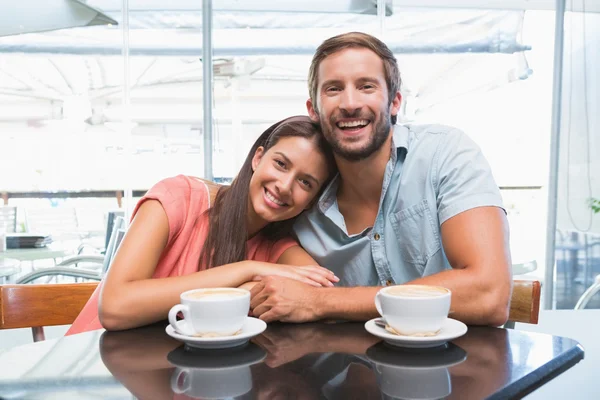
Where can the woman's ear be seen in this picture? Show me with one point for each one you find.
(258, 154)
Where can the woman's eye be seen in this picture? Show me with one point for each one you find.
(280, 163)
(306, 183)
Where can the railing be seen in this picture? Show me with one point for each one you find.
(117, 194)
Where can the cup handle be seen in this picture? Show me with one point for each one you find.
(173, 319)
(378, 304)
(175, 381)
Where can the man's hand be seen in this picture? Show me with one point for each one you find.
(275, 298)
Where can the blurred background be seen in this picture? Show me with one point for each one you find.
(100, 99)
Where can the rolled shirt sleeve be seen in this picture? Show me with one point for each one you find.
(462, 177)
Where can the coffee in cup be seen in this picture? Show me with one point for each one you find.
(414, 310)
(211, 312)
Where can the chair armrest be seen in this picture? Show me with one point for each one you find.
(81, 258)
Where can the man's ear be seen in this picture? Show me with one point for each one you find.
(258, 154)
(312, 112)
(396, 102)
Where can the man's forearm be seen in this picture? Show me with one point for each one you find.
(347, 303)
(475, 300)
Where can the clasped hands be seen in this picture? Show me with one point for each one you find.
(290, 294)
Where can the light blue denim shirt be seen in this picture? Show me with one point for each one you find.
(435, 173)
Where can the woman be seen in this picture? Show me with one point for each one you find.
(179, 236)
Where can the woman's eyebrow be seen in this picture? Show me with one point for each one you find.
(287, 160)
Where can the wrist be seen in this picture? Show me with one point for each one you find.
(245, 271)
(319, 303)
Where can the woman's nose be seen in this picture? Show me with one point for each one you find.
(285, 184)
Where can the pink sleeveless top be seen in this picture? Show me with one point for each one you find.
(184, 200)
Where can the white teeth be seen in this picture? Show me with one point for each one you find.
(273, 199)
(352, 124)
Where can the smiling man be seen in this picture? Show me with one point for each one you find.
(411, 204)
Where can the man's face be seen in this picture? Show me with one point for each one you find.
(353, 104)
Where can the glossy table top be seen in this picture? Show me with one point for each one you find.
(9, 266)
(304, 361)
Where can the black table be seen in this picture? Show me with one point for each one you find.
(288, 361)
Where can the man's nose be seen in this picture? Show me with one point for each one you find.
(350, 100)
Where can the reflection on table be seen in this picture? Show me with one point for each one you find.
(302, 361)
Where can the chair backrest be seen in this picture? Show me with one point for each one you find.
(525, 301)
(111, 217)
(8, 219)
(36, 306)
(116, 236)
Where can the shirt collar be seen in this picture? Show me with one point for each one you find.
(329, 195)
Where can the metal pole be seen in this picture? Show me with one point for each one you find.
(554, 153)
(207, 89)
(381, 17)
(126, 126)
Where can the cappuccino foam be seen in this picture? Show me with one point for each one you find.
(417, 291)
(214, 294)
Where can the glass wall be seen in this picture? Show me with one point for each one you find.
(100, 107)
(577, 249)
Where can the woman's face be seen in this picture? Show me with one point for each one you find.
(286, 179)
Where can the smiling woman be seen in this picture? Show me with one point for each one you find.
(180, 234)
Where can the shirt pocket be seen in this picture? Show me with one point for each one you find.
(417, 234)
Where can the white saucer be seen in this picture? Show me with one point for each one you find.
(251, 328)
(238, 357)
(451, 329)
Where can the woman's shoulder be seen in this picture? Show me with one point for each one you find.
(187, 187)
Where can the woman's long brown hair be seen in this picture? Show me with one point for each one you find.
(227, 218)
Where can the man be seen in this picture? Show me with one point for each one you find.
(413, 204)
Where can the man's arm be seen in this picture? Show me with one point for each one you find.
(476, 244)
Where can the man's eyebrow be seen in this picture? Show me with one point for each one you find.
(287, 160)
(364, 79)
(331, 82)
(368, 79)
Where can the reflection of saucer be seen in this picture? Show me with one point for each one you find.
(451, 329)
(438, 357)
(242, 356)
(251, 328)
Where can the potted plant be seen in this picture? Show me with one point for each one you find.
(595, 205)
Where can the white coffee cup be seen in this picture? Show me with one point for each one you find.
(212, 384)
(211, 311)
(414, 309)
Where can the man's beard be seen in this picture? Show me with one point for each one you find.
(381, 131)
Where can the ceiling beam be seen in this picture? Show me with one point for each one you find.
(579, 6)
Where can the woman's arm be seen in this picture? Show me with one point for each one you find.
(131, 298)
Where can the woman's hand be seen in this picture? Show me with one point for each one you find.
(310, 274)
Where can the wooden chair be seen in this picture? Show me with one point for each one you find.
(36, 306)
(524, 303)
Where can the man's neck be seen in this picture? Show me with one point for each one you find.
(361, 182)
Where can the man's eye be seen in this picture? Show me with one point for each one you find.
(333, 89)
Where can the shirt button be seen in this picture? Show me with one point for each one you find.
(388, 282)
(376, 236)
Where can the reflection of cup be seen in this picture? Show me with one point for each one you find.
(211, 374)
(415, 373)
(414, 310)
(211, 312)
